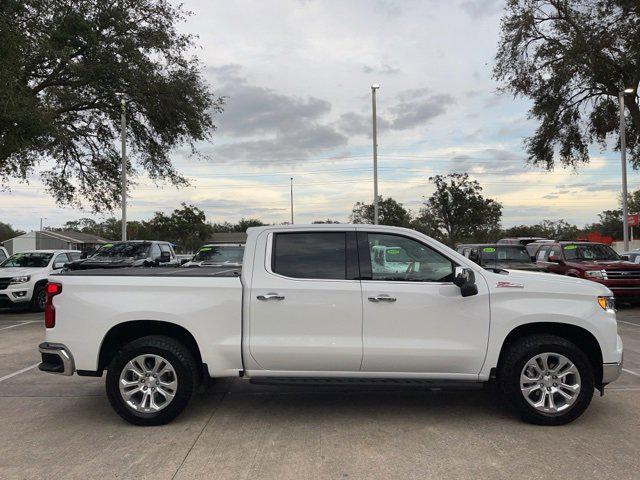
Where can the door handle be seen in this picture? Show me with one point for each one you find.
(382, 298)
(270, 296)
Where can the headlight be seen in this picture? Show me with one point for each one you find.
(607, 303)
(23, 279)
(594, 274)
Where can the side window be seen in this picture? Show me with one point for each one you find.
(155, 251)
(164, 247)
(2, 256)
(474, 256)
(396, 258)
(73, 256)
(320, 255)
(555, 252)
(542, 254)
(60, 258)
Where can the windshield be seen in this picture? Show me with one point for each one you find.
(589, 252)
(28, 260)
(220, 254)
(514, 254)
(397, 254)
(112, 251)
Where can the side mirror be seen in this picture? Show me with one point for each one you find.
(624, 257)
(165, 257)
(465, 279)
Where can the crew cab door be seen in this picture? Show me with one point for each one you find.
(414, 318)
(306, 302)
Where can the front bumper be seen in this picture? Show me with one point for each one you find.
(56, 358)
(611, 372)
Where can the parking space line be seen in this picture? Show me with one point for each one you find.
(631, 372)
(11, 375)
(629, 323)
(18, 325)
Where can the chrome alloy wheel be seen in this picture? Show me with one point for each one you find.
(550, 383)
(148, 383)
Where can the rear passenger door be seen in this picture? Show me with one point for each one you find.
(305, 303)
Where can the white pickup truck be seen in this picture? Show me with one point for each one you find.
(308, 304)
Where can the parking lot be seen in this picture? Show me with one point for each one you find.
(63, 427)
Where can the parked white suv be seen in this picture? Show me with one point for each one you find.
(24, 275)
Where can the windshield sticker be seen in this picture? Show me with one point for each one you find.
(205, 249)
(107, 245)
(393, 251)
(570, 247)
(488, 249)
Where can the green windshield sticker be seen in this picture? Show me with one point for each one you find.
(205, 249)
(570, 247)
(488, 249)
(107, 245)
(393, 251)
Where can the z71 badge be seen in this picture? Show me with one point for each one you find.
(509, 285)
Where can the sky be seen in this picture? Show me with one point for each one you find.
(296, 77)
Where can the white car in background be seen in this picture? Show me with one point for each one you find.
(24, 275)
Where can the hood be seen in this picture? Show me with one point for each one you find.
(544, 283)
(100, 263)
(20, 271)
(604, 264)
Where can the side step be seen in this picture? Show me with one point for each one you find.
(387, 383)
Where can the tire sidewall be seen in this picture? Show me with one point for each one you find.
(184, 375)
(38, 292)
(511, 383)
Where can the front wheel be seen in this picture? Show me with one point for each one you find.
(39, 299)
(151, 380)
(546, 379)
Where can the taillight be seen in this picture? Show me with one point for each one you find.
(52, 290)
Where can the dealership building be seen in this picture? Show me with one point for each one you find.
(50, 240)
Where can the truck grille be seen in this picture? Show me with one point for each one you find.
(4, 282)
(622, 274)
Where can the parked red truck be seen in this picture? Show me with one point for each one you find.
(594, 261)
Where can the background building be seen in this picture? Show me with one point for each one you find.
(45, 240)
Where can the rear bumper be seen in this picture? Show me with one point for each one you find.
(56, 358)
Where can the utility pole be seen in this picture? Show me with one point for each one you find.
(623, 160)
(123, 173)
(291, 200)
(375, 154)
(41, 219)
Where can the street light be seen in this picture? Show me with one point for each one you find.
(623, 160)
(123, 173)
(291, 200)
(375, 87)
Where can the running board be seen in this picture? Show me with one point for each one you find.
(369, 382)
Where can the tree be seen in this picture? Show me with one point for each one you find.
(572, 58)
(553, 229)
(457, 211)
(7, 232)
(65, 67)
(327, 221)
(610, 224)
(390, 212)
(241, 226)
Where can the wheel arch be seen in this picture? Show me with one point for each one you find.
(579, 336)
(125, 332)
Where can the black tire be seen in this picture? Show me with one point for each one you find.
(38, 299)
(181, 360)
(513, 362)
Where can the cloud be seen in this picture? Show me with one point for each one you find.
(382, 69)
(265, 125)
(477, 9)
(410, 109)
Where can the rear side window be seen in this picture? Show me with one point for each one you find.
(321, 255)
(164, 247)
(73, 256)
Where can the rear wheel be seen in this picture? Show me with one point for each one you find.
(546, 379)
(151, 380)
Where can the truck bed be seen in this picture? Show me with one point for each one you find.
(157, 272)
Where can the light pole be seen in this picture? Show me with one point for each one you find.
(41, 219)
(623, 160)
(291, 200)
(375, 153)
(123, 173)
